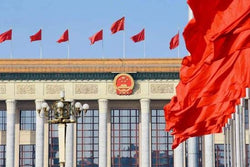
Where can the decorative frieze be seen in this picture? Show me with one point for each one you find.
(54, 89)
(86, 89)
(111, 89)
(25, 89)
(2, 89)
(162, 88)
(137, 89)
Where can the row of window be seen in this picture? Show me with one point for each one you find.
(27, 157)
(124, 141)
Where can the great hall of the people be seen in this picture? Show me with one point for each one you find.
(123, 127)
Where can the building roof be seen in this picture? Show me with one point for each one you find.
(90, 65)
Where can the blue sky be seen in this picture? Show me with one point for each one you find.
(160, 18)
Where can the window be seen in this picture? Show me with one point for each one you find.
(27, 155)
(246, 114)
(219, 155)
(162, 153)
(247, 155)
(124, 138)
(2, 155)
(53, 146)
(200, 141)
(27, 120)
(87, 139)
(2, 120)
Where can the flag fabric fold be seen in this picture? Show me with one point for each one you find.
(96, 37)
(214, 77)
(174, 41)
(118, 25)
(6, 36)
(37, 36)
(139, 37)
(64, 37)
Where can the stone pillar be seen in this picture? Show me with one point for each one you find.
(145, 133)
(39, 135)
(179, 155)
(209, 151)
(10, 134)
(103, 117)
(193, 152)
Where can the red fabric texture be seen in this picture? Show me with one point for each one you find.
(64, 37)
(96, 37)
(6, 36)
(139, 37)
(118, 25)
(214, 77)
(174, 41)
(37, 36)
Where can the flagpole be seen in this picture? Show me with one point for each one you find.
(178, 49)
(102, 50)
(41, 52)
(11, 46)
(11, 49)
(145, 48)
(68, 51)
(178, 52)
(124, 45)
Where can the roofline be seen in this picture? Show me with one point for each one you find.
(89, 65)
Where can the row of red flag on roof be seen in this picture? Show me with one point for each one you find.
(116, 26)
(216, 74)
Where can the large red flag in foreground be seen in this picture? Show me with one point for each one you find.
(139, 37)
(37, 36)
(96, 37)
(214, 77)
(64, 37)
(174, 41)
(118, 25)
(6, 36)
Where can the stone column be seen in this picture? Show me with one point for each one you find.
(10, 134)
(209, 151)
(103, 117)
(145, 133)
(39, 135)
(193, 152)
(179, 155)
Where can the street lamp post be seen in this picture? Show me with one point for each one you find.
(62, 112)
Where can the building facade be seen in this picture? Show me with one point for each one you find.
(123, 127)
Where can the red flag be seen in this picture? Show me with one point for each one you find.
(6, 36)
(139, 37)
(96, 37)
(214, 77)
(118, 25)
(37, 36)
(174, 41)
(64, 37)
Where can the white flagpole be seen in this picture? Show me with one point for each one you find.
(11, 49)
(144, 48)
(11, 45)
(41, 52)
(68, 51)
(178, 49)
(102, 50)
(124, 44)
